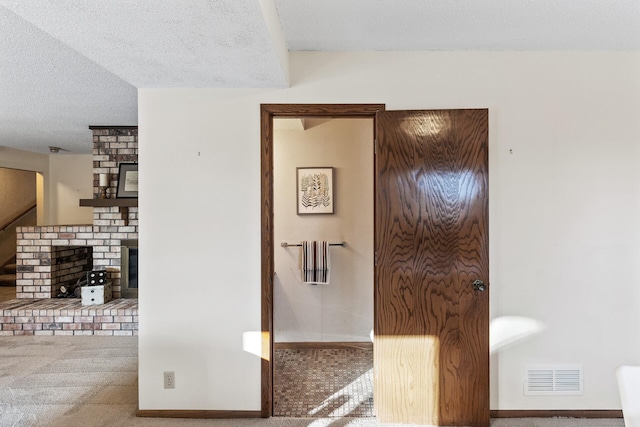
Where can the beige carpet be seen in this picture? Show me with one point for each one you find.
(88, 381)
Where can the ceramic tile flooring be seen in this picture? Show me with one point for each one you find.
(332, 382)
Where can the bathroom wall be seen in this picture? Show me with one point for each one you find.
(343, 309)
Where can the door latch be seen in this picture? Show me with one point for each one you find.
(478, 285)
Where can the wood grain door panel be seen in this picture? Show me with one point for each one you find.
(431, 351)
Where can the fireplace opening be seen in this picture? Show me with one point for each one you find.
(69, 265)
(129, 269)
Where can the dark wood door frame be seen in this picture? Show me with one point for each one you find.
(267, 113)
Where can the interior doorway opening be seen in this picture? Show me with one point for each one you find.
(268, 113)
(323, 349)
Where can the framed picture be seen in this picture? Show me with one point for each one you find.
(127, 181)
(315, 190)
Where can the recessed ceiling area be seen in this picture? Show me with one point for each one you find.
(68, 64)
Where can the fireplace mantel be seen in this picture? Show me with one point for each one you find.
(103, 203)
(122, 204)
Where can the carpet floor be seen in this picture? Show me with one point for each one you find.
(88, 381)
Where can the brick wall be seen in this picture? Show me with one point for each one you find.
(112, 146)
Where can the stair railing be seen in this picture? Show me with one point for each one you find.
(8, 233)
(17, 217)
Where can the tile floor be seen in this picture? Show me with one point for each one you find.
(323, 382)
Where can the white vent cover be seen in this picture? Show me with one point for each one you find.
(556, 380)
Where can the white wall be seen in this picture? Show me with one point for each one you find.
(564, 209)
(24, 160)
(70, 179)
(343, 309)
(63, 180)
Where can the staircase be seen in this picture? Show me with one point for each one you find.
(8, 274)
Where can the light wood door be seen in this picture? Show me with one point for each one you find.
(431, 348)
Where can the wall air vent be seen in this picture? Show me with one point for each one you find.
(553, 380)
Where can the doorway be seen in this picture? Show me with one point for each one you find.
(323, 352)
(431, 261)
(268, 113)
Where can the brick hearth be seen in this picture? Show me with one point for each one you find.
(68, 317)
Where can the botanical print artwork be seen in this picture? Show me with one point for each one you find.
(315, 192)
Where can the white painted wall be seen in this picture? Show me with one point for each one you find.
(564, 209)
(343, 309)
(70, 179)
(24, 160)
(63, 180)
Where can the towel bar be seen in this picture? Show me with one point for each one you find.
(285, 244)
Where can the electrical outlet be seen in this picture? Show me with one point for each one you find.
(169, 379)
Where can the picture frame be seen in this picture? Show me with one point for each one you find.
(315, 190)
(127, 181)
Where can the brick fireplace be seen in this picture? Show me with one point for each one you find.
(50, 256)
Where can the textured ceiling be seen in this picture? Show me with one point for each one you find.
(49, 94)
(68, 64)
